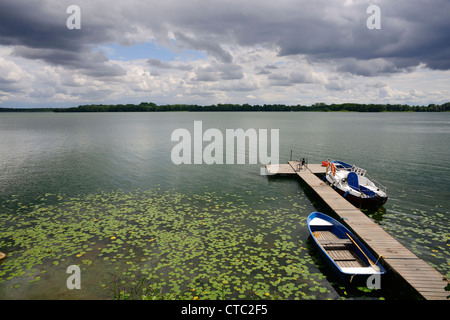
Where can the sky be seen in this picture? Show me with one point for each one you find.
(223, 51)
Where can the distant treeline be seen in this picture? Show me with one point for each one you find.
(322, 107)
(27, 110)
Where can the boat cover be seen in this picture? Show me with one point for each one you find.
(342, 165)
(367, 191)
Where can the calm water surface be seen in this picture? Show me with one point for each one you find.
(59, 167)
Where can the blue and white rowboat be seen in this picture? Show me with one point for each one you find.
(344, 252)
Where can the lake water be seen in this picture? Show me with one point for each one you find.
(100, 191)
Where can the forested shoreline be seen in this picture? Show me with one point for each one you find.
(317, 107)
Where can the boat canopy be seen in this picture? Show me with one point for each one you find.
(342, 165)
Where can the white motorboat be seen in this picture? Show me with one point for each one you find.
(354, 185)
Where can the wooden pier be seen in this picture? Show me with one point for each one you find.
(426, 280)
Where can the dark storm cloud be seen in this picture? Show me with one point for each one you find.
(90, 63)
(411, 32)
(28, 24)
(37, 30)
(323, 31)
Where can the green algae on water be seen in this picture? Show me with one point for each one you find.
(206, 246)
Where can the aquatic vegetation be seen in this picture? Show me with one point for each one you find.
(199, 246)
(184, 246)
(426, 233)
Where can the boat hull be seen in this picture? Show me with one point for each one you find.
(363, 203)
(367, 265)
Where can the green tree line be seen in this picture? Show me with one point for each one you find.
(321, 107)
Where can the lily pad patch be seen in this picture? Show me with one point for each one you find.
(206, 246)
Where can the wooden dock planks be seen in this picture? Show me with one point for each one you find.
(288, 168)
(279, 169)
(426, 280)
